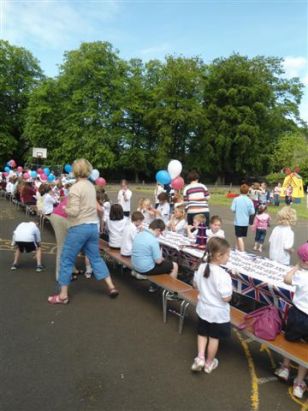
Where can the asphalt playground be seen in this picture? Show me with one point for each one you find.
(99, 354)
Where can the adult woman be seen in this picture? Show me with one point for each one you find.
(82, 234)
(196, 198)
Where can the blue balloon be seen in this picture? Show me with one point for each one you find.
(46, 171)
(68, 168)
(33, 174)
(163, 177)
(7, 169)
(51, 178)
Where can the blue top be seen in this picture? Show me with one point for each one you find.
(145, 251)
(243, 207)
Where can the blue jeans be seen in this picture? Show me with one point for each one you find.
(260, 236)
(81, 237)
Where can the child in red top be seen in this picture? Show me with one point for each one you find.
(260, 225)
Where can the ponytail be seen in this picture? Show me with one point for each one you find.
(207, 257)
(214, 246)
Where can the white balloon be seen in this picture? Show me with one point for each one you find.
(174, 168)
(94, 175)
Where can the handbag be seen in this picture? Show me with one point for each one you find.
(265, 322)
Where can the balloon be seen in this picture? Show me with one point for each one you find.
(94, 175)
(40, 171)
(7, 169)
(20, 169)
(51, 178)
(100, 182)
(174, 168)
(5, 174)
(163, 177)
(26, 176)
(46, 171)
(177, 183)
(33, 174)
(43, 177)
(68, 168)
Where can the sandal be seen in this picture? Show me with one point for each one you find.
(113, 293)
(55, 299)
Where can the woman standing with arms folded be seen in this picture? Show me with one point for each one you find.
(82, 233)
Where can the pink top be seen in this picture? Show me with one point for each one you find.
(59, 210)
(262, 221)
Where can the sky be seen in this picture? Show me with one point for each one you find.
(150, 29)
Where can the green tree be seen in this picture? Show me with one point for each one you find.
(19, 75)
(247, 105)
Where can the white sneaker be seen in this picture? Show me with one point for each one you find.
(138, 276)
(283, 373)
(198, 364)
(299, 389)
(209, 367)
(87, 274)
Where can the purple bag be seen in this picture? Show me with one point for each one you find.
(265, 322)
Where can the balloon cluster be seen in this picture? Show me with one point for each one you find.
(172, 175)
(99, 181)
(44, 174)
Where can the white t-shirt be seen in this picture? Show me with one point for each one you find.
(27, 232)
(159, 189)
(148, 217)
(125, 203)
(281, 239)
(106, 207)
(164, 210)
(180, 226)
(115, 230)
(220, 233)
(49, 202)
(129, 233)
(300, 299)
(211, 306)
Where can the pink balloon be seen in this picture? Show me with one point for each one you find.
(26, 176)
(43, 177)
(19, 169)
(5, 174)
(40, 171)
(177, 183)
(100, 181)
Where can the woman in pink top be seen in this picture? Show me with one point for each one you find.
(260, 225)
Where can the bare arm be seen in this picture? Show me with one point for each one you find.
(289, 276)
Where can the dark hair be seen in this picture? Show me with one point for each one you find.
(193, 176)
(137, 216)
(163, 196)
(157, 224)
(101, 196)
(116, 212)
(261, 208)
(244, 188)
(215, 245)
(215, 218)
(42, 189)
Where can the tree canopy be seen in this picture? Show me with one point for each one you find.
(224, 118)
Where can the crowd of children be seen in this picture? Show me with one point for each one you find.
(136, 234)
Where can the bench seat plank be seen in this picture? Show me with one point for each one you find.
(169, 283)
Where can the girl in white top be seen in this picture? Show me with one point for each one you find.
(49, 201)
(158, 189)
(124, 197)
(297, 323)
(282, 238)
(215, 228)
(148, 211)
(177, 221)
(215, 291)
(115, 225)
(163, 208)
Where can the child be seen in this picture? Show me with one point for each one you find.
(49, 201)
(163, 209)
(158, 189)
(115, 225)
(177, 222)
(260, 225)
(297, 323)
(124, 197)
(288, 195)
(198, 230)
(27, 237)
(129, 233)
(215, 228)
(213, 310)
(277, 192)
(282, 238)
(147, 210)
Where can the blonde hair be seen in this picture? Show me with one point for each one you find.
(82, 168)
(200, 218)
(146, 203)
(181, 210)
(286, 216)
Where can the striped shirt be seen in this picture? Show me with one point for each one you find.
(196, 198)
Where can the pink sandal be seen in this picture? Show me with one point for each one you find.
(55, 299)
